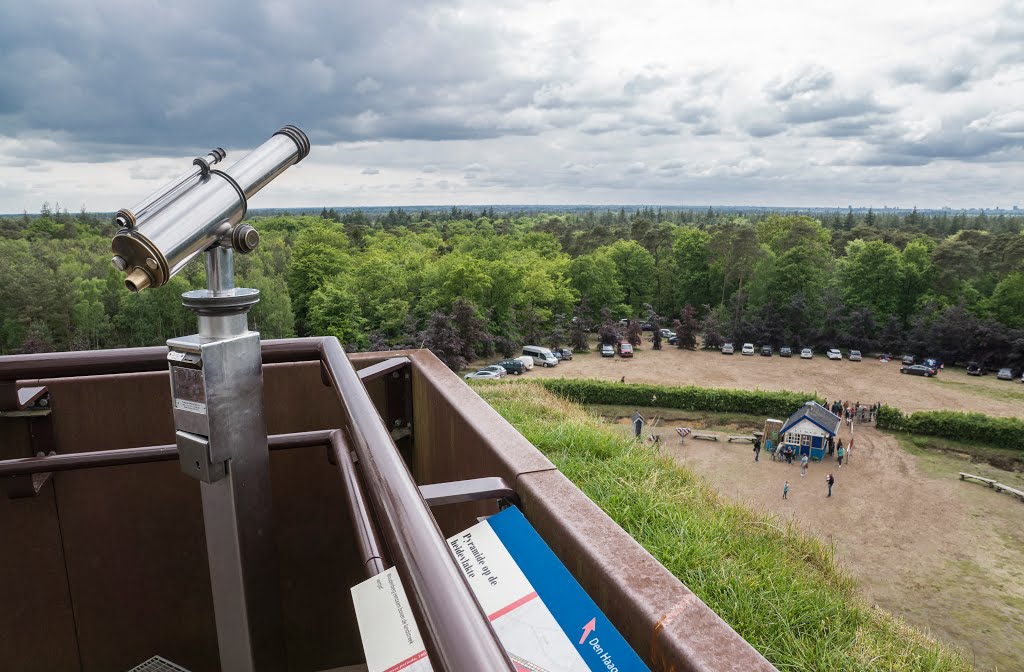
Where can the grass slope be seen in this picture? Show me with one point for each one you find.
(779, 588)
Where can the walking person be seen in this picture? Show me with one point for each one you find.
(830, 479)
(785, 490)
(840, 454)
(803, 465)
(757, 450)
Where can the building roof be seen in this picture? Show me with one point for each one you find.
(816, 413)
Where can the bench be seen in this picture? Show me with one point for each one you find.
(706, 437)
(751, 439)
(987, 481)
(998, 487)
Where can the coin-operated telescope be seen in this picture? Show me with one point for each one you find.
(160, 235)
(217, 382)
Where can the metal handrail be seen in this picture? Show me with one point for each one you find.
(455, 629)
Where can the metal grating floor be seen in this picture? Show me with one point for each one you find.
(158, 664)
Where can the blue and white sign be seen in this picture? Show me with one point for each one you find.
(544, 619)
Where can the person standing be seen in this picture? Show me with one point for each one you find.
(757, 450)
(785, 490)
(803, 465)
(830, 479)
(840, 453)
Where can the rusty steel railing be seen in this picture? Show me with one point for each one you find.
(456, 632)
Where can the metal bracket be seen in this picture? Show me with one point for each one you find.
(471, 490)
(26, 431)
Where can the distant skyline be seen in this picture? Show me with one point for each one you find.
(783, 104)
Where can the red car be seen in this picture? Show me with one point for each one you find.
(625, 349)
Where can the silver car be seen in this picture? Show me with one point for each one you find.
(483, 374)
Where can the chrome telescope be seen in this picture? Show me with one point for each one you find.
(201, 208)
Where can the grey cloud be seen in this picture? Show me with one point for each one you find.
(179, 79)
(370, 171)
(764, 128)
(941, 79)
(690, 113)
(642, 84)
(810, 80)
(824, 109)
(954, 140)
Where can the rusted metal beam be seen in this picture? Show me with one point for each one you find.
(382, 368)
(360, 513)
(112, 458)
(472, 490)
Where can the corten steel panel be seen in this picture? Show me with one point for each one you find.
(314, 537)
(297, 399)
(459, 436)
(37, 628)
(317, 559)
(133, 535)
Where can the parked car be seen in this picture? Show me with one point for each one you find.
(527, 362)
(647, 326)
(497, 368)
(728, 349)
(565, 352)
(833, 353)
(1004, 374)
(785, 351)
(673, 340)
(513, 366)
(541, 356)
(484, 374)
(667, 333)
(854, 356)
(625, 349)
(975, 369)
(766, 351)
(918, 370)
(607, 351)
(748, 349)
(806, 353)
(933, 362)
(908, 360)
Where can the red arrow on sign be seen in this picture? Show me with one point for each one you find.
(588, 628)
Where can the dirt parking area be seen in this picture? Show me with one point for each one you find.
(868, 381)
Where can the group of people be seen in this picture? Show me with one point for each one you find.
(853, 410)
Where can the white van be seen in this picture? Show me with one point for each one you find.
(541, 356)
(527, 362)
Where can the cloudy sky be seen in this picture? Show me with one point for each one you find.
(909, 103)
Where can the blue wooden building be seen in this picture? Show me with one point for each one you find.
(808, 430)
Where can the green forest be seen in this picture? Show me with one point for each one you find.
(471, 284)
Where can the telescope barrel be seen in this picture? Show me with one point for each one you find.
(128, 218)
(196, 211)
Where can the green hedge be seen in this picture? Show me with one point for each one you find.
(755, 402)
(973, 427)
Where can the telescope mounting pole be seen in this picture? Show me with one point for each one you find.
(217, 393)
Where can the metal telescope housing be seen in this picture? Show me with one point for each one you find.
(201, 208)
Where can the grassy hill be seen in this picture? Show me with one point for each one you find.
(779, 588)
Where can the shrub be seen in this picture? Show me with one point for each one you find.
(755, 402)
(974, 427)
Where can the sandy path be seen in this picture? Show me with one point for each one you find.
(868, 381)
